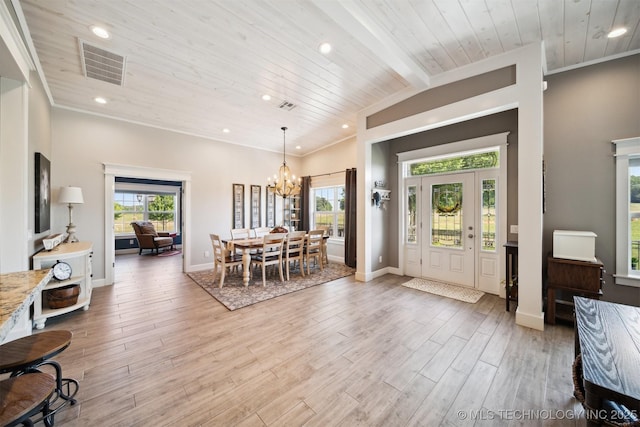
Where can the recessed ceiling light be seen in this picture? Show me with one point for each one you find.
(225, 130)
(617, 32)
(345, 126)
(100, 32)
(100, 100)
(298, 147)
(325, 48)
(266, 97)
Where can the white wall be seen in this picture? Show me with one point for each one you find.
(82, 143)
(334, 158)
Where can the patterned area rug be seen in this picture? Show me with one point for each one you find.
(234, 295)
(444, 289)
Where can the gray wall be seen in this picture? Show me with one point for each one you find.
(584, 110)
(502, 122)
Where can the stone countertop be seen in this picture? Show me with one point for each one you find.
(17, 292)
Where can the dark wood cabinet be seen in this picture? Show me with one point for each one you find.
(571, 277)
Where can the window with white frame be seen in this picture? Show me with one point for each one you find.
(328, 210)
(627, 211)
(157, 204)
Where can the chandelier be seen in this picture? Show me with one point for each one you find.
(284, 183)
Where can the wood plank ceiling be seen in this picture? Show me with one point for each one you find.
(199, 67)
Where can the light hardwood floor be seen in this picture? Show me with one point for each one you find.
(155, 349)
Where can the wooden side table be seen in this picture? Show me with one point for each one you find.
(579, 278)
(511, 278)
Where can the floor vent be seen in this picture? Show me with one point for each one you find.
(286, 105)
(102, 65)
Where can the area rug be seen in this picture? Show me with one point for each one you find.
(444, 289)
(170, 253)
(235, 295)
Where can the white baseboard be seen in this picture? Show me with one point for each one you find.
(366, 277)
(533, 321)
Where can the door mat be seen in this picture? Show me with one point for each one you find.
(445, 289)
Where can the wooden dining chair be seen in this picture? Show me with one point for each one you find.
(271, 254)
(241, 233)
(313, 249)
(261, 231)
(294, 250)
(223, 258)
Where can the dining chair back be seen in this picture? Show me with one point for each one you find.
(314, 248)
(271, 254)
(261, 231)
(294, 250)
(223, 258)
(240, 233)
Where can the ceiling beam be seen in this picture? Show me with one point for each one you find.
(356, 21)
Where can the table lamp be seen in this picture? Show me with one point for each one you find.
(71, 195)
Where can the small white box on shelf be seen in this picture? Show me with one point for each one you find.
(577, 245)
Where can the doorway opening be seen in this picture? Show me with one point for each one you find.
(111, 171)
(156, 201)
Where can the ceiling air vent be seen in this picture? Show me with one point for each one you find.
(102, 65)
(286, 105)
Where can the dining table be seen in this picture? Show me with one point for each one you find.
(248, 245)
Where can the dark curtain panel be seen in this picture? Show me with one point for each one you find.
(305, 203)
(350, 223)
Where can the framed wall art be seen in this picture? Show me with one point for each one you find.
(270, 206)
(42, 193)
(254, 214)
(238, 206)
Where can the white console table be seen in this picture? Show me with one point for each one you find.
(78, 256)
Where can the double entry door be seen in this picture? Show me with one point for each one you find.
(451, 235)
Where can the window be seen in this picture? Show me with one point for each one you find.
(488, 215)
(328, 210)
(485, 159)
(411, 212)
(159, 208)
(627, 211)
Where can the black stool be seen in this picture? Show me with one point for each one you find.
(24, 396)
(26, 355)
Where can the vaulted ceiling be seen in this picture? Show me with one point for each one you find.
(200, 67)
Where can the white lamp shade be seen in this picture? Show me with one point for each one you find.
(70, 195)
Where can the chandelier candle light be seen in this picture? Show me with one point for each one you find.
(71, 195)
(284, 184)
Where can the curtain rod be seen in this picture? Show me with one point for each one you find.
(326, 174)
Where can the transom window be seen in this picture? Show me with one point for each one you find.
(485, 159)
